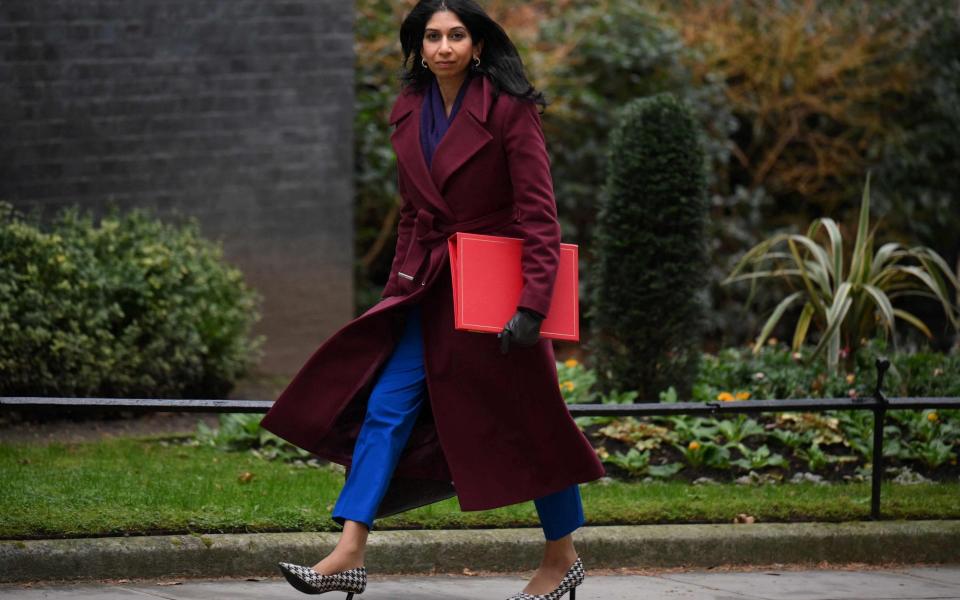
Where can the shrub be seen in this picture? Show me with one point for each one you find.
(650, 258)
(126, 307)
(812, 84)
(592, 57)
(918, 166)
(821, 91)
(777, 372)
(847, 302)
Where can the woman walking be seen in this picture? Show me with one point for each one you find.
(416, 409)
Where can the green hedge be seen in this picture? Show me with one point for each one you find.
(651, 263)
(124, 307)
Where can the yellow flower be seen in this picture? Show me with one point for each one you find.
(693, 445)
(851, 378)
(570, 363)
(725, 396)
(932, 416)
(743, 395)
(568, 385)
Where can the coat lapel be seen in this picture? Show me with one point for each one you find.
(466, 137)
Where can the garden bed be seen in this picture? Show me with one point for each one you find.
(834, 445)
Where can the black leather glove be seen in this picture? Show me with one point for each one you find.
(522, 329)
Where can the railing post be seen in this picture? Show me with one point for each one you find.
(879, 411)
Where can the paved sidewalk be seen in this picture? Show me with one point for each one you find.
(902, 583)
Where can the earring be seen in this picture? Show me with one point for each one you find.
(476, 62)
(423, 62)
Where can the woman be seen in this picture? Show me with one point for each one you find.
(398, 394)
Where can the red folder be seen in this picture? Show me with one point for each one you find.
(487, 282)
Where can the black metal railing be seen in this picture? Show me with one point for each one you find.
(878, 403)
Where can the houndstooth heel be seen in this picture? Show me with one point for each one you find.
(573, 577)
(308, 581)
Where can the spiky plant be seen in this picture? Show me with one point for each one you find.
(846, 302)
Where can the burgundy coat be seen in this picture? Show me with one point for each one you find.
(494, 425)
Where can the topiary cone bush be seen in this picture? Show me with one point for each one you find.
(128, 307)
(650, 265)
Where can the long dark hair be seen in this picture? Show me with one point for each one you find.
(499, 60)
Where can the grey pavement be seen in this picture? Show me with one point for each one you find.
(905, 582)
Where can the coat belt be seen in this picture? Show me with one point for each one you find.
(429, 232)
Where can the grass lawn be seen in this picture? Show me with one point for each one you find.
(143, 486)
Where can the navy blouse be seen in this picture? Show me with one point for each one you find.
(433, 118)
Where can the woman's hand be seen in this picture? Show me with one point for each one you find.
(523, 329)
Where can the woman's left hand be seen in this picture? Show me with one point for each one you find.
(523, 329)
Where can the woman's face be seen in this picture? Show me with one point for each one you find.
(447, 45)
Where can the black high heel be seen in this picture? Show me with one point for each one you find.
(573, 577)
(308, 581)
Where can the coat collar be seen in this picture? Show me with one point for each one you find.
(477, 100)
(466, 136)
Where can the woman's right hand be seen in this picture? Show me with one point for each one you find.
(523, 329)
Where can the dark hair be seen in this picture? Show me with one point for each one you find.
(499, 61)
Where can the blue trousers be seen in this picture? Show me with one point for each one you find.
(392, 409)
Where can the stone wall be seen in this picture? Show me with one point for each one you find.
(236, 111)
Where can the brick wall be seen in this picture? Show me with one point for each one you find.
(236, 111)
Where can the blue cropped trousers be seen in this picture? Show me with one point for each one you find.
(392, 409)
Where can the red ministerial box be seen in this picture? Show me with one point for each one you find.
(487, 282)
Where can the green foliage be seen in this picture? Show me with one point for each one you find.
(238, 432)
(758, 459)
(857, 426)
(597, 57)
(918, 165)
(650, 255)
(576, 386)
(820, 92)
(816, 459)
(778, 372)
(377, 202)
(924, 373)
(738, 428)
(705, 454)
(821, 441)
(844, 299)
(692, 427)
(576, 382)
(927, 437)
(934, 453)
(126, 307)
(637, 463)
